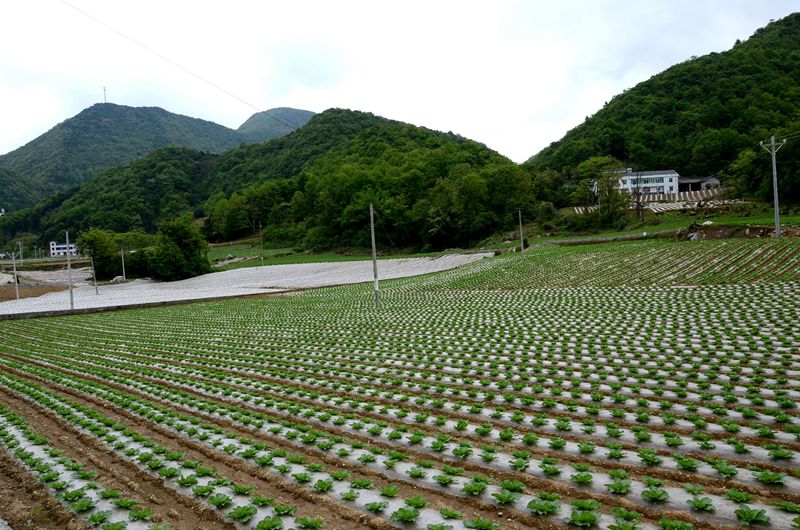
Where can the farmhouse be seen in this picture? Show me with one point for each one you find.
(661, 182)
(649, 182)
(58, 250)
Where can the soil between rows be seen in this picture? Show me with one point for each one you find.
(714, 485)
(308, 504)
(468, 505)
(189, 360)
(169, 506)
(575, 416)
(241, 472)
(26, 504)
(496, 423)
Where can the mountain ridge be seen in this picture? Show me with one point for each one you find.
(107, 135)
(305, 186)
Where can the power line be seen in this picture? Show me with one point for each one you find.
(173, 63)
(385, 231)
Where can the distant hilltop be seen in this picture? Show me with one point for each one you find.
(107, 135)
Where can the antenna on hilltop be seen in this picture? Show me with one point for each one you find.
(104, 95)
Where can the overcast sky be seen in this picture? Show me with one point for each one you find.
(514, 75)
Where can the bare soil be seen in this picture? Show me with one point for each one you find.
(179, 511)
(7, 292)
(26, 504)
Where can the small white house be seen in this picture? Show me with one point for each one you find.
(59, 250)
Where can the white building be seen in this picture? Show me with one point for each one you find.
(59, 250)
(649, 182)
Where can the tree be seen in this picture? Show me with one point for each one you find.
(100, 245)
(604, 171)
(180, 251)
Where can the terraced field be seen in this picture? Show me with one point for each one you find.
(633, 385)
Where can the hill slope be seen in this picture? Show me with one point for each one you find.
(101, 137)
(431, 188)
(697, 116)
(16, 190)
(273, 123)
(107, 135)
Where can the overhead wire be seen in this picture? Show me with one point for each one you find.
(385, 231)
(174, 63)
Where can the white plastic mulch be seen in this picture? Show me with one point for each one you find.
(245, 281)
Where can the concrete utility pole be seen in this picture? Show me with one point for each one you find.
(122, 255)
(521, 237)
(773, 148)
(69, 275)
(94, 275)
(21, 262)
(16, 283)
(374, 257)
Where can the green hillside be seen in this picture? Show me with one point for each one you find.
(108, 135)
(16, 191)
(101, 137)
(273, 123)
(310, 187)
(699, 116)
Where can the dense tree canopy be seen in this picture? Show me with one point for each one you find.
(701, 117)
(312, 187)
(179, 252)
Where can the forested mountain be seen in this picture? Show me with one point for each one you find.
(14, 187)
(107, 135)
(699, 115)
(263, 126)
(310, 187)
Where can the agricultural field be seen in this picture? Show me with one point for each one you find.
(629, 385)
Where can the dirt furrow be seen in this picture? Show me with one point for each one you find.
(180, 511)
(453, 501)
(26, 504)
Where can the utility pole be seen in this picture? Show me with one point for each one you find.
(122, 255)
(94, 274)
(773, 148)
(21, 262)
(16, 283)
(374, 256)
(521, 237)
(261, 239)
(69, 275)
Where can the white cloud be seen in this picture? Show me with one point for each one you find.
(515, 75)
